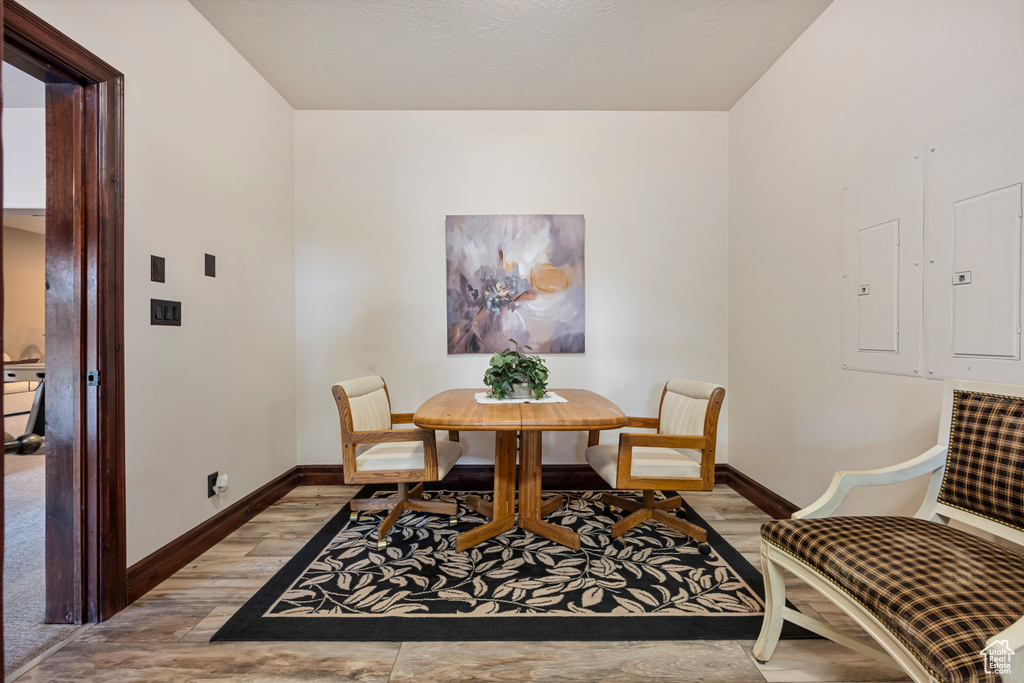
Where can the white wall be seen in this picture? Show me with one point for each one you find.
(24, 293)
(24, 132)
(372, 190)
(208, 169)
(868, 82)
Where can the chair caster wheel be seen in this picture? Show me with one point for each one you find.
(760, 661)
(704, 549)
(609, 510)
(681, 513)
(453, 520)
(619, 542)
(354, 517)
(382, 543)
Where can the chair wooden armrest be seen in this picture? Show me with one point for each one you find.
(594, 436)
(643, 422)
(628, 441)
(932, 460)
(406, 419)
(392, 435)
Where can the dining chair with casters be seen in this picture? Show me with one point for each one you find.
(373, 452)
(679, 457)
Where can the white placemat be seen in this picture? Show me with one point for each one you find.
(551, 397)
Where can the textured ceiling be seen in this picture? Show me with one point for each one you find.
(512, 54)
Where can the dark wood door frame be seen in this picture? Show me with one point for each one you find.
(3, 522)
(85, 516)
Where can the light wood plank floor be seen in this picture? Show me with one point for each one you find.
(165, 635)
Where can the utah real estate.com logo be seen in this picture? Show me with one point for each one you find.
(997, 658)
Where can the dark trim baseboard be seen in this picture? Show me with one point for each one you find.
(757, 493)
(570, 477)
(581, 477)
(469, 477)
(321, 475)
(147, 573)
(150, 571)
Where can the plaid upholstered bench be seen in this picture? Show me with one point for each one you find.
(941, 603)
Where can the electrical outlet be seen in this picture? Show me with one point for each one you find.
(211, 483)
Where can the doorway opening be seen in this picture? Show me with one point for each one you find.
(83, 362)
(24, 353)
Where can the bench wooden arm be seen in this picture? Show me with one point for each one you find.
(932, 460)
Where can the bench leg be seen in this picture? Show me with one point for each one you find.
(775, 601)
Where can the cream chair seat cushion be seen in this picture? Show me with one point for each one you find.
(647, 462)
(408, 455)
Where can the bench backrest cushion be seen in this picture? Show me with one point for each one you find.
(985, 465)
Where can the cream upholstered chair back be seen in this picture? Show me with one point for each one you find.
(680, 457)
(684, 406)
(373, 452)
(369, 408)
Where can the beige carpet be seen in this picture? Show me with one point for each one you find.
(25, 634)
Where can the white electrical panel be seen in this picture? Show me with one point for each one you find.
(973, 297)
(882, 282)
(986, 308)
(878, 277)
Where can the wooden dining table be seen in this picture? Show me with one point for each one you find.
(457, 409)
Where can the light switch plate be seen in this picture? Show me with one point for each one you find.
(163, 312)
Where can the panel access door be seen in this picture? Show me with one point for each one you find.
(986, 274)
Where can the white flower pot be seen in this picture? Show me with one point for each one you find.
(521, 391)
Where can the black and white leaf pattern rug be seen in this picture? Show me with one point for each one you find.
(515, 586)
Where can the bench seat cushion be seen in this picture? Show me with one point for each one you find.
(943, 592)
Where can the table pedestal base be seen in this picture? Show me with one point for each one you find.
(531, 507)
(478, 504)
(468, 539)
(502, 511)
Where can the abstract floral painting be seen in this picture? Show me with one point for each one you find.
(518, 277)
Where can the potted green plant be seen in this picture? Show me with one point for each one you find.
(511, 368)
